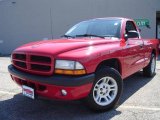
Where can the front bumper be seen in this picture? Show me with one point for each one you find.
(77, 87)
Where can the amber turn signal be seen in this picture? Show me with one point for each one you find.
(70, 72)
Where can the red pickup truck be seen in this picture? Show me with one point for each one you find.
(89, 62)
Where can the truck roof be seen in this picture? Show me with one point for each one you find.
(112, 18)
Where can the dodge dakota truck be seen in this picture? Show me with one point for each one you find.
(89, 62)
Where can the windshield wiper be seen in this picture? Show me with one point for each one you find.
(89, 35)
(68, 36)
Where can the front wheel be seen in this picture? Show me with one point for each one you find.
(106, 90)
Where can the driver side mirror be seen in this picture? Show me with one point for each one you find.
(131, 34)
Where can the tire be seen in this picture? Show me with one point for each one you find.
(149, 70)
(101, 97)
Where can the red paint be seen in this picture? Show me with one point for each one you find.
(159, 46)
(90, 52)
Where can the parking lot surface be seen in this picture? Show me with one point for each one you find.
(140, 100)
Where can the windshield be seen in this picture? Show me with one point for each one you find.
(96, 28)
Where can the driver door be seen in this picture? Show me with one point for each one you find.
(134, 51)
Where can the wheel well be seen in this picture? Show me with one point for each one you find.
(114, 63)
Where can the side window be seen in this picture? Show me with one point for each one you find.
(131, 30)
(130, 26)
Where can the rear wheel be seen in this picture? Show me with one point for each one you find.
(149, 70)
(106, 90)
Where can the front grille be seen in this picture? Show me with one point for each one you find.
(32, 63)
(40, 67)
(20, 56)
(21, 64)
(40, 59)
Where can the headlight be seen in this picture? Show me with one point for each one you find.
(65, 64)
(69, 67)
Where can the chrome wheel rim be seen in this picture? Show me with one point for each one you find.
(105, 91)
(153, 65)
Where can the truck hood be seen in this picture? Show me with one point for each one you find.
(54, 47)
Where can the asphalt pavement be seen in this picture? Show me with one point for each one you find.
(140, 101)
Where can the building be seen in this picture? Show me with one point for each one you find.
(23, 21)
